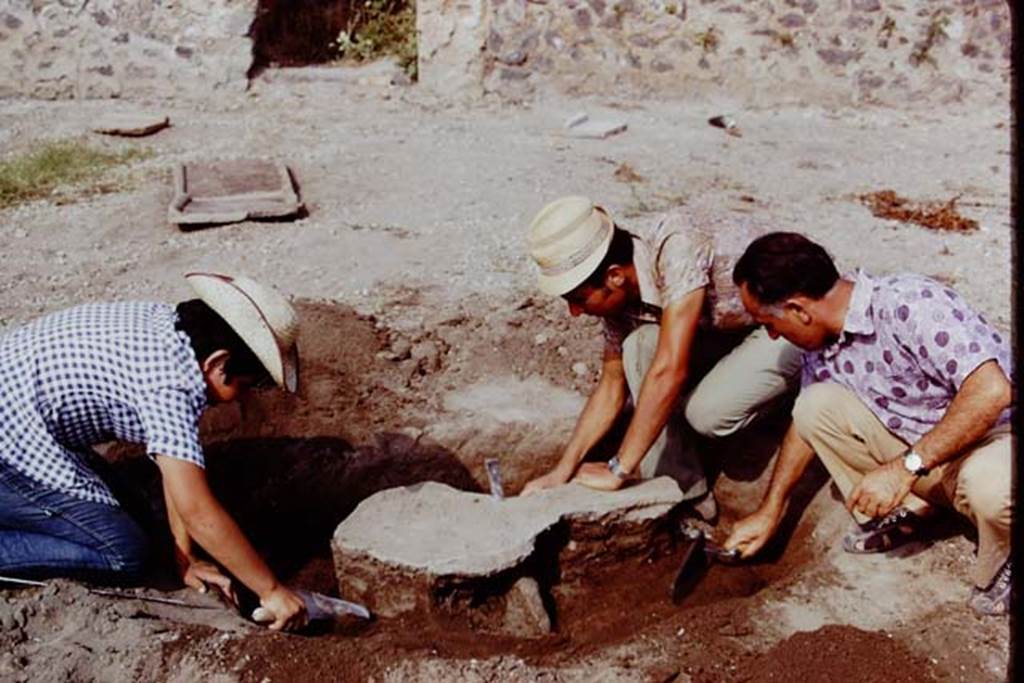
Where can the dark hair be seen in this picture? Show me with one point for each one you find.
(620, 253)
(779, 265)
(208, 332)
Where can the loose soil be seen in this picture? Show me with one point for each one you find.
(933, 215)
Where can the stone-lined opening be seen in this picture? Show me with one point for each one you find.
(297, 32)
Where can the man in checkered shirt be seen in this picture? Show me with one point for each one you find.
(143, 373)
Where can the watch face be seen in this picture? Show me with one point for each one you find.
(912, 461)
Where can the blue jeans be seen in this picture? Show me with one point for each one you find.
(45, 533)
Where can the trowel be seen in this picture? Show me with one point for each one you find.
(696, 560)
(319, 607)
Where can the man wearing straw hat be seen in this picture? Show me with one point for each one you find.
(144, 373)
(668, 304)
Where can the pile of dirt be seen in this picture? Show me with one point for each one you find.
(839, 653)
(935, 215)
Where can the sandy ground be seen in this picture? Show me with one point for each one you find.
(414, 240)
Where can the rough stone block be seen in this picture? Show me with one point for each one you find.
(429, 547)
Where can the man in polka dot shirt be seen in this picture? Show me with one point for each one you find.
(906, 395)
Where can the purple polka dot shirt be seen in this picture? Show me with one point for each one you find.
(907, 345)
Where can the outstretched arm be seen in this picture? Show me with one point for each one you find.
(598, 416)
(205, 520)
(658, 393)
(194, 572)
(751, 533)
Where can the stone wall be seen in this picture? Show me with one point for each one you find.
(123, 48)
(847, 50)
(850, 50)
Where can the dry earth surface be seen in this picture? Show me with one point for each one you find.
(427, 349)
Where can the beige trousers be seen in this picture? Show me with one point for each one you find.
(739, 388)
(851, 441)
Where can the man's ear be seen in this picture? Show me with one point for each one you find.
(215, 362)
(796, 308)
(615, 277)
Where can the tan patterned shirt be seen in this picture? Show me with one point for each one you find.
(680, 251)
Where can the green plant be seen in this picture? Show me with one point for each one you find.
(56, 165)
(377, 28)
(708, 40)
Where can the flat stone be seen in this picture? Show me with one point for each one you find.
(402, 547)
(438, 529)
(130, 124)
(597, 129)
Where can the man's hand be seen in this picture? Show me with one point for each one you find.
(200, 574)
(751, 533)
(596, 475)
(881, 490)
(287, 607)
(546, 481)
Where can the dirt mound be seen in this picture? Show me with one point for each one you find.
(837, 653)
(935, 215)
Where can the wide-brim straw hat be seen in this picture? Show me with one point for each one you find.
(260, 316)
(568, 239)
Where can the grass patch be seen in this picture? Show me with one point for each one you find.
(57, 166)
(380, 28)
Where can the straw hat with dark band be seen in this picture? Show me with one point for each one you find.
(263, 319)
(568, 240)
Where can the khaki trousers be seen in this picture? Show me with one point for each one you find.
(851, 441)
(739, 388)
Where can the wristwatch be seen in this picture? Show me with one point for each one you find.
(616, 468)
(914, 464)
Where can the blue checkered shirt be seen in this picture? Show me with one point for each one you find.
(93, 374)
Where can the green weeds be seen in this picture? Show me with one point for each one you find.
(379, 28)
(56, 166)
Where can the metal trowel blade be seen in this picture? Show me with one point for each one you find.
(691, 569)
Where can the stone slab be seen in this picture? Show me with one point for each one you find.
(598, 130)
(230, 191)
(438, 530)
(130, 124)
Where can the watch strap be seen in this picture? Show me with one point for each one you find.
(615, 466)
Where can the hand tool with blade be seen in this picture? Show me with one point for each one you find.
(319, 607)
(696, 561)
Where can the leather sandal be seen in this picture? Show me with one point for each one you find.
(880, 535)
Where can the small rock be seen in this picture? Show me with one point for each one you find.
(7, 621)
(541, 338)
(580, 369)
(401, 348)
(576, 119)
(598, 130)
(131, 124)
(525, 614)
(428, 355)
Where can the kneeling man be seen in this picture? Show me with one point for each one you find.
(665, 294)
(905, 397)
(140, 372)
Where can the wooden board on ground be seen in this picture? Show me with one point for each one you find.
(230, 191)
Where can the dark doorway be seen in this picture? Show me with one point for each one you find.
(297, 32)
